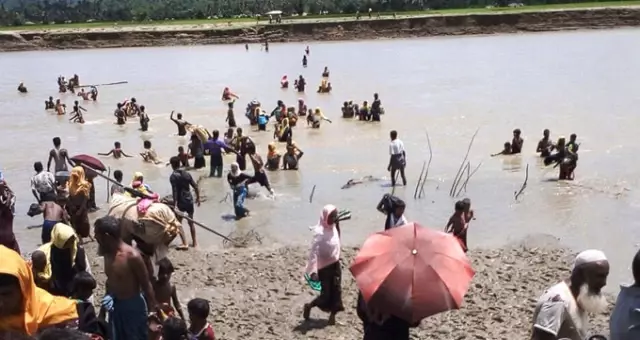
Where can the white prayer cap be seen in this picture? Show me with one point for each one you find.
(589, 256)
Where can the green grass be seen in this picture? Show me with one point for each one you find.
(455, 11)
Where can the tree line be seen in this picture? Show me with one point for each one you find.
(21, 12)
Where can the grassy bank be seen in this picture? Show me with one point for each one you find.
(330, 17)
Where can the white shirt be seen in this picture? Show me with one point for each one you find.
(399, 222)
(43, 182)
(396, 147)
(558, 314)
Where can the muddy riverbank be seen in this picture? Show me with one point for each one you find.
(318, 29)
(259, 293)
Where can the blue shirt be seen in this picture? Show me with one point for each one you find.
(215, 147)
(262, 120)
(625, 318)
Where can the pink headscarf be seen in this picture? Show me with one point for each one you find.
(325, 248)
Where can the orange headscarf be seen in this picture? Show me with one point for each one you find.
(77, 183)
(41, 309)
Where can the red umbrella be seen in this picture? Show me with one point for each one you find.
(89, 161)
(412, 272)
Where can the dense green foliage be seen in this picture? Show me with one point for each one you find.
(20, 12)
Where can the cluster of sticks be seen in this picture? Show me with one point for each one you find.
(465, 168)
(422, 179)
(242, 240)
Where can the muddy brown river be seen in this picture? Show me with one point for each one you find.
(580, 82)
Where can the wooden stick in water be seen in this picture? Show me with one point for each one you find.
(464, 186)
(457, 178)
(108, 191)
(116, 83)
(524, 185)
(415, 194)
(426, 174)
(313, 191)
(467, 169)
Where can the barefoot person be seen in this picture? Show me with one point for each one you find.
(127, 281)
(59, 156)
(43, 184)
(180, 123)
(166, 293)
(562, 311)
(238, 182)
(53, 214)
(324, 265)
(181, 184)
(397, 161)
(457, 225)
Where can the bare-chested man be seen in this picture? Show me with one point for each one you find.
(59, 155)
(117, 151)
(127, 281)
(52, 213)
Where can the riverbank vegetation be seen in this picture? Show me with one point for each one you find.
(35, 14)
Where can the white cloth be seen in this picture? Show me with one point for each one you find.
(589, 256)
(558, 314)
(325, 248)
(396, 147)
(399, 222)
(43, 182)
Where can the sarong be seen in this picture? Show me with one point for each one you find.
(239, 195)
(47, 227)
(330, 299)
(128, 319)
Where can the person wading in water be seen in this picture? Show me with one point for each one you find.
(182, 124)
(397, 161)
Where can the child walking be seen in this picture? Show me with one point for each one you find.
(200, 329)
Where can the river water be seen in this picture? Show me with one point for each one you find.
(571, 82)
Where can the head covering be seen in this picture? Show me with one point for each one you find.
(1, 177)
(271, 150)
(589, 256)
(60, 234)
(324, 216)
(77, 183)
(237, 171)
(138, 176)
(41, 309)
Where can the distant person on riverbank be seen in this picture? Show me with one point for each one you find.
(517, 142)
(562, 310)
(307, 50)
(304, 60)
(246, 46)
(457, 225)
(117, 151)
(625, 317)
(397, 160)
(181, 123)
(22, 88)
(325, 72)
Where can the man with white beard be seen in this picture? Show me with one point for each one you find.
(561, 312)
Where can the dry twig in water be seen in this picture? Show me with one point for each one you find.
(420, 179)
(426, 174)
(464, 161)
(469, 175)
(313, 191)
(467, 169)
(524, 185)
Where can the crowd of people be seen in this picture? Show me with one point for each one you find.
(51, 294)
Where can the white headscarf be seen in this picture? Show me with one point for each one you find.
(589, 256)
(237, 171)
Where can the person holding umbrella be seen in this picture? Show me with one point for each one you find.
(324, 264)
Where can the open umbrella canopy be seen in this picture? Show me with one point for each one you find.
(412, 272)
(89, 161)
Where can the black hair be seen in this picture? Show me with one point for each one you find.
(179, 115)
(175, 162)
(108, 225)
(141, 107)
(517, 131)
(460, 206)
(393, 134)
(83, 281)
(635, 267)
(9, 280)
(174, 329)
(165, 266)
(117, 175)
(147, 144)
(546, 131)
(117, 144)
(180, 149)
(37, 166)
(62, 333)
(56, 141)
(215, 133)
(199, 307)
(573, 135)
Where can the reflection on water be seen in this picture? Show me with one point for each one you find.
(576, 82)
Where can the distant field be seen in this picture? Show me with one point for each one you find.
(460, 11)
